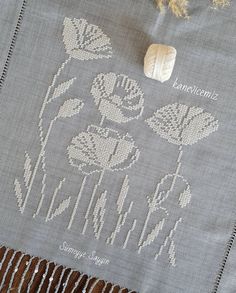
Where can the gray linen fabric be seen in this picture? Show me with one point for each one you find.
(228, 281)
(135, 176)
(8, 19)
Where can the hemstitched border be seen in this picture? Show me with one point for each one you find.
(12, 45)
(224, 261)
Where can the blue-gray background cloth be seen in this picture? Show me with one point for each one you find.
(206, 57)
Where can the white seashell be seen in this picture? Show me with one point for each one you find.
(159, 62)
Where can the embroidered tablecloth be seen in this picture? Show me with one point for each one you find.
(105, 170)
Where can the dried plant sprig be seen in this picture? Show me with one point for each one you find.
(180, 7)
(221, 3)
(161, 4)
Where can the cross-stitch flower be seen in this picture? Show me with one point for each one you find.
(182, 125)
(118, 97)
(102, 149)
(85, 41)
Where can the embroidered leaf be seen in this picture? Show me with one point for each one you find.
(154, 233)
(62, 88)
(161, 193)
(18, 194)
(171, 253)
(122, 215)
(57, 189)
(27, 170)
(98, 214)
(123, 193)
(185, 197)
(168, 238)
(70, 108)
(61, 208)
(120, 223)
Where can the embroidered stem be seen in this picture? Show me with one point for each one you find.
(144, 228)
(77, 203)
(177, 168)
(42, 195)
(68, 109)
(119, 224)
(102, 120)
(151, 210)
(91, 200)
(48, 93)
(122, 214)
(43, 141)
(129, 233)
(53, 199)
(99, 213)
(44, 175)
(41, 155)
(169, 237)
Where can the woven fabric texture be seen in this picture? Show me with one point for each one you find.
(109, 172)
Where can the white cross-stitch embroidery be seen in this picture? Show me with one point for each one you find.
(129, 233)
(62, 206)
(100, 149)
(98, 214)
(117, 97)
(122, 214)
(180, 125)
(83, 41)
(171, 250)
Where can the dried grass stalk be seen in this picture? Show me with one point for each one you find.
(180, 7)
(221, 3)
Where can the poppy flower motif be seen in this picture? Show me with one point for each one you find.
(118, 97)
(101, 149)
(85, 41)
(182, 125)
